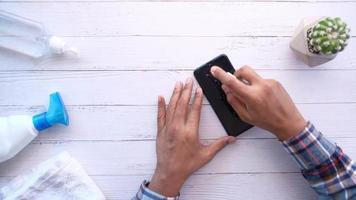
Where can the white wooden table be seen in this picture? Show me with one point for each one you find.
(133, 51)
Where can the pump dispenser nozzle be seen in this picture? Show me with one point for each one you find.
(59, 46)
(56, 114)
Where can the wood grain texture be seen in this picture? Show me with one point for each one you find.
(88, 123)
(178, 18)
(311, 1)
(138, 157)
(172, 53)
(133, 51)
(226, 186)
(111, 88)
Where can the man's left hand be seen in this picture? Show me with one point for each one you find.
(178, 147)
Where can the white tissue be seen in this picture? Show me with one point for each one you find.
(58, 178)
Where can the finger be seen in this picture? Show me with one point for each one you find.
(238, 106)
(183, 102)
(219, 144)
(248, 74)
(161, 115)
(231, 81)
(226, 89)
(194, 115)
(173, 101)
(228, 92)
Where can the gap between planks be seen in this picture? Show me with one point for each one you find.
(195, 174)
(177, 1)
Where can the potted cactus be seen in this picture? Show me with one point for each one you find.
(318, 40)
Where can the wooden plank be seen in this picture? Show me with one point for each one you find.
(191, 0)
(110, 88)
(139, 122)
(105, 98)
(211, 187)
(171, 53)
(178, 18)
(139, 157)
(222, 186)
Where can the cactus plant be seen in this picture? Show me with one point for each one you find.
(328, 36)
(318, 40)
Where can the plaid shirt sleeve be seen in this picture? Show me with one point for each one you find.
(144, 193)
(328, 170)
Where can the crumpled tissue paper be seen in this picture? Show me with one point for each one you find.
(61, 177)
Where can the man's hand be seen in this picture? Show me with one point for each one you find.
(178, 148)
(261, 102)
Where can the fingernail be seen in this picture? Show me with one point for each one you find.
(213, 70)
(177, 85)
(231, 140)
(188, 81)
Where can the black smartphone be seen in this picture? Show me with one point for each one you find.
(211, 87)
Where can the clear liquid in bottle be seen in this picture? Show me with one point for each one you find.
(30, 38)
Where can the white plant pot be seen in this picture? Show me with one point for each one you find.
(299, 43)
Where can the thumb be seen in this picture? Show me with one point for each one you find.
(219, 144)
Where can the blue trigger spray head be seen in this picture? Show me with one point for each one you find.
(56, 114)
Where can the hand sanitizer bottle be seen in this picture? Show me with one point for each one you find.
(18, 131)
(30, 38)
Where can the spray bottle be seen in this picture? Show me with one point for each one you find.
(18, 131)
(30, 38)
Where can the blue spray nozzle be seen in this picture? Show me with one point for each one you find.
(56, 114)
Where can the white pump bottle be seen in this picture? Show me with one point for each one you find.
(30, 38)
(18, 131)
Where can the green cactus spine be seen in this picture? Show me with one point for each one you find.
(329, 36)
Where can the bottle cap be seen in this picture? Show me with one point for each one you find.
(59, 46)
(56, 114)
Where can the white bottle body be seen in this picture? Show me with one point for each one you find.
(16, 132)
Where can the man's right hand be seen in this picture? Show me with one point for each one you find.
(261, 102)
